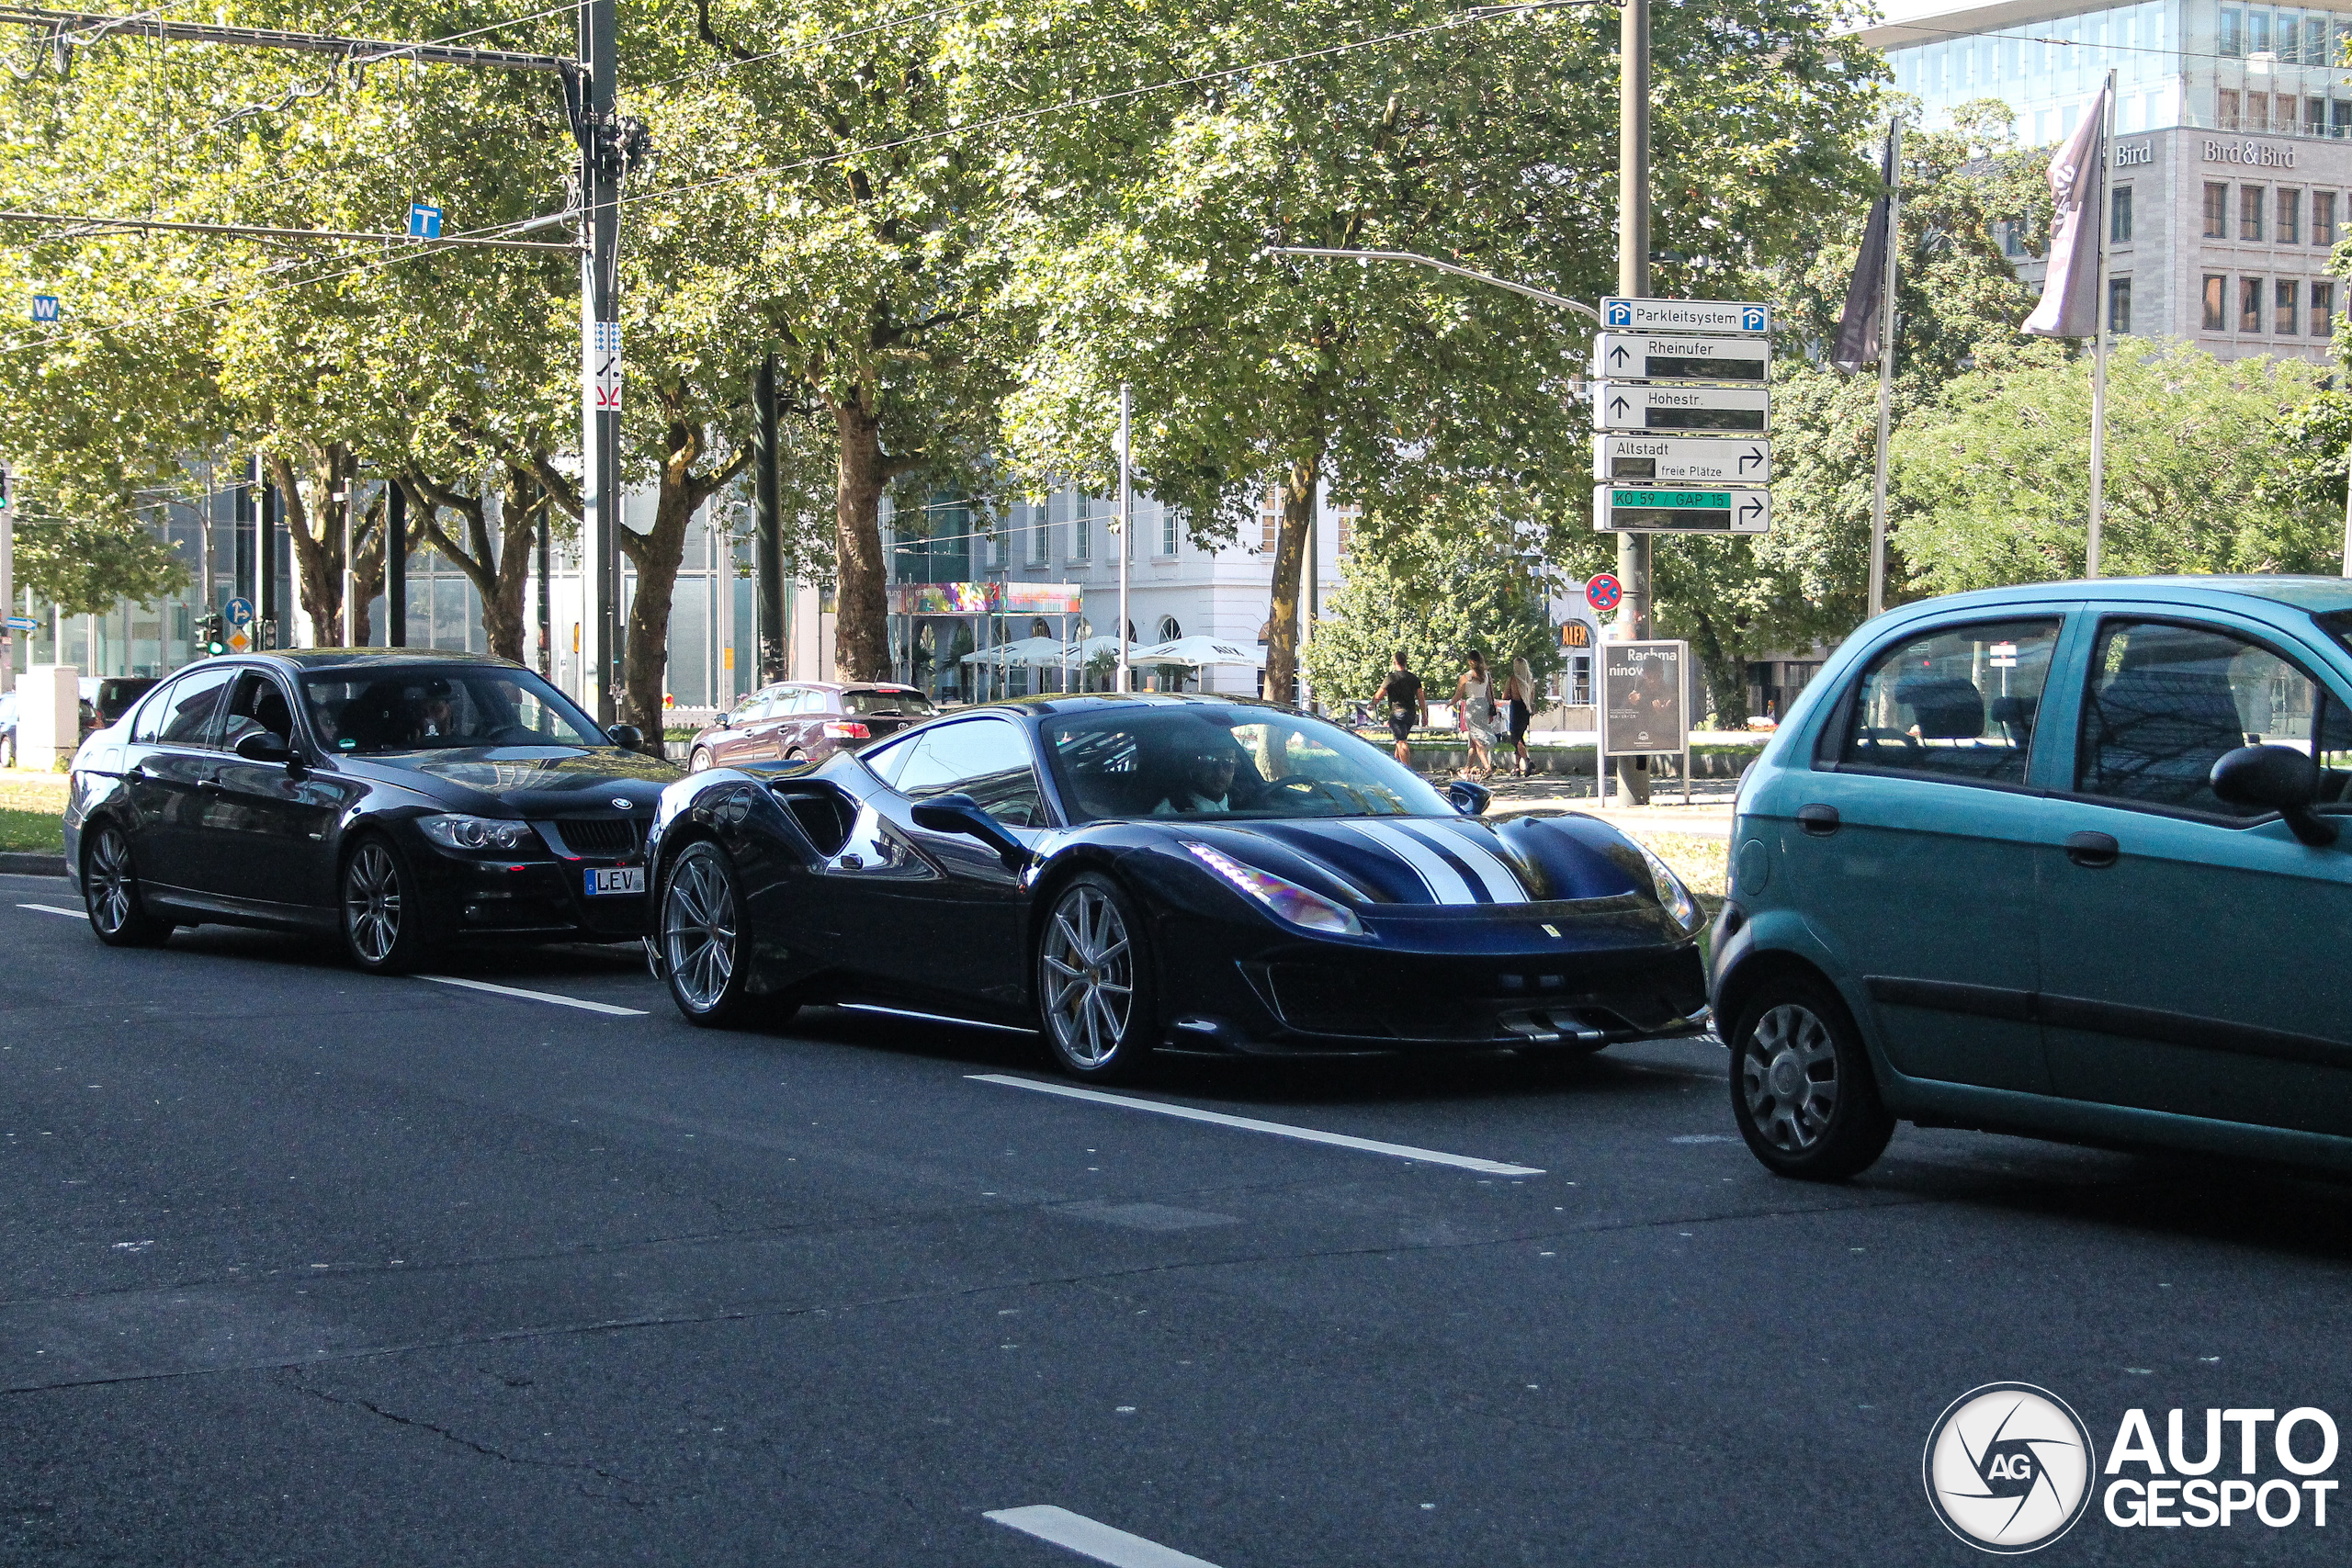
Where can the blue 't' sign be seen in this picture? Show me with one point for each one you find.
(44, 307)
(423, 222)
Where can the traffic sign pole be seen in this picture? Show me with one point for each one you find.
(1632, 283)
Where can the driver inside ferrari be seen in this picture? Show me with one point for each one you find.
(1206, 785)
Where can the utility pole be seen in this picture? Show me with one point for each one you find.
(1634, 283)
(265, 600)
(547, 601)
(1887, 324)
(8, 580)
(600, 354)
(768, 525)
(396, 567)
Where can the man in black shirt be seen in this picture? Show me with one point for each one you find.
(1408, 705)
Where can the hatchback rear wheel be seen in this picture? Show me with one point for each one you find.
(1802, 1088)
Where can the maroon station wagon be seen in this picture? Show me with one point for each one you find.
(809, 719)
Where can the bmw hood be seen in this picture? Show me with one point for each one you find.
(1437, 861)
(524, 781)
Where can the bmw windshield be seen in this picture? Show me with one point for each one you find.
(428, 708)
(1200, 761)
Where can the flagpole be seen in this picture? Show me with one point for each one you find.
(1126, 508)
(1886, 319)
(2105, 220)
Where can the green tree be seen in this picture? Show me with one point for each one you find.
(1490, 141)
(1996, 473)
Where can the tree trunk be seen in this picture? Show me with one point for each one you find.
(1290, 558)
(314, 529)
(646, 654)
(861, 618)
(366, 569)
(497, 565)
(1726, 674)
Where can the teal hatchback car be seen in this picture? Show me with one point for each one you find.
(2061, 859)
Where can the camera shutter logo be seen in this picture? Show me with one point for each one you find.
(2009, 1468)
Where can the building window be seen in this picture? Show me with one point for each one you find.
(2314, 117)
(2233, 32)
(2226, 112)
(1082, 528)
(2322, 308)
(2315, 39)
(2215, 296)
(2249, 304)
(2284, 122)
(1170, 631)
(2119, 216)
(1344, 519)
(1166, 529)
(2291, 217)
(2340, 114)
(1040, 537)
(1270, 521)
(2118, 305)
(2323, 217)
(2216, 212)
(2250, 212)
(2282, 312)
(2257, 32)
(2012, 235)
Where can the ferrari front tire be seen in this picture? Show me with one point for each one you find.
(1093, 986)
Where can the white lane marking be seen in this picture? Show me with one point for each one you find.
(1089, 1538)
(1502, 883)
(56, 910)
(1445, 883)
(580, 1003)
(1252, 1124)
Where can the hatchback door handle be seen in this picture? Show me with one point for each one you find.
(1819, 820)
(2094, 850)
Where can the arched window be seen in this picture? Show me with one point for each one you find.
(1169, 629)
(1265, 632)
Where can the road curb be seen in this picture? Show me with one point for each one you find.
(32, 865)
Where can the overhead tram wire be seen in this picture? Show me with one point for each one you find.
(726, 66)
(1010, 118)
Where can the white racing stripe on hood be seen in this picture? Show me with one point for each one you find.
(1501, 877)
(1444, 883)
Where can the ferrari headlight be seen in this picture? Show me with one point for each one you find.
(1677, 900)
(478, 834)
(1288, 901)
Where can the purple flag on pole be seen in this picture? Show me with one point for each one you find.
(1856, 344)
(2069, 305)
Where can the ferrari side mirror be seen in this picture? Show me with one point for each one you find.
(962, 813)
(1469, 797)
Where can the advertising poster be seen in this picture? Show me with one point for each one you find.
(1643, 697)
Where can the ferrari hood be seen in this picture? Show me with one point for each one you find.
(1437, 859)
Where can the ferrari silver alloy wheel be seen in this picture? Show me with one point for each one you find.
(698, 931)
(371, 902)
(108, 884)
(1789, 1076)
(1090, 976)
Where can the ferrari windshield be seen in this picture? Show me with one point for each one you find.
(1195, 759)
(427, 706)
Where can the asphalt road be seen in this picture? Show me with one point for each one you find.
(310, 1267)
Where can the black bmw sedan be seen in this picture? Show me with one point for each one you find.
(1131, 874)
(404, 800)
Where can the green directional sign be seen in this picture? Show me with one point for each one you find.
(1626, 509)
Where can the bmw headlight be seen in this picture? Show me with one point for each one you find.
(486, 834)
(1677, 900)
(1288, 901)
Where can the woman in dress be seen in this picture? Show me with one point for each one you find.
(1522, 709)
(1473, 704)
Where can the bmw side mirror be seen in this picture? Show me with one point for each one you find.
(627, 736)
(2276, 778)
(261, 746)
(962, 813)
(1470, 798)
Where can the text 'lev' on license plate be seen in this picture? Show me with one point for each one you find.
(1629, 510)
(603, 880)
(1652, 406)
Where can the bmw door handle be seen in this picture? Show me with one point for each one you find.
(1819, 820)
(2095, 852)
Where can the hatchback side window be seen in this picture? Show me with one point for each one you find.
(986, 759)
(1954, 702)
(2165, 702)
(194, 701)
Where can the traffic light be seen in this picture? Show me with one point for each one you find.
(4, 489)
(207, 632)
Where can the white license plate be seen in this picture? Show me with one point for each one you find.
(616, 879)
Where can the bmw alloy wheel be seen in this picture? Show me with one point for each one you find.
(107, 885)
(1788, 1074)
(372, 904)
(698, 932)
(1087, 968)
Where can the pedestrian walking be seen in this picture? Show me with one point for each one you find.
(1407, 702)
(1474, 708)
(1522, 709)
